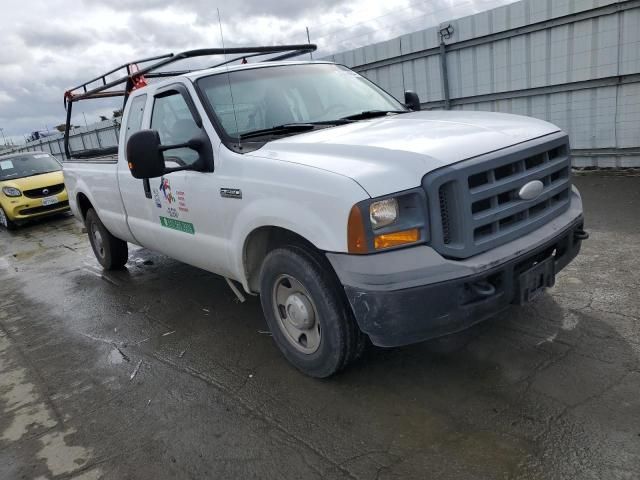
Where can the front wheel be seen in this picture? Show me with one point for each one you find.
(111, 252)
(307, 313)
(5, 221)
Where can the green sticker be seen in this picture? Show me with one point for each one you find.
(174, 224)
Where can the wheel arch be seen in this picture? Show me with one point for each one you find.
(84, 204)
(263, 240)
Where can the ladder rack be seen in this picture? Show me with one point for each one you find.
(132, 75)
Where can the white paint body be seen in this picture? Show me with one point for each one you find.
(306, 183)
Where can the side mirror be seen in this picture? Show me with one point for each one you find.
(146, 158)
(411, 100)
(144, 155)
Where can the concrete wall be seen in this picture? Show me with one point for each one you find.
(575, 63)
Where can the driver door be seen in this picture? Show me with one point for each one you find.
(178, 214)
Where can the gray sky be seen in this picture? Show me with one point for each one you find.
(51, 45)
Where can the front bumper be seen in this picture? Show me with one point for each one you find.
(411, 295)
(25, 208)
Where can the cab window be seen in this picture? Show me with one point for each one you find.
(134, 121)
(173, 120)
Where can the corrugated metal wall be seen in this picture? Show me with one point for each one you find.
(575, 63)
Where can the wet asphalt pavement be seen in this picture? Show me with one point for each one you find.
(158, 372)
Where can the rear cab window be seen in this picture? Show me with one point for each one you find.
(134, 120)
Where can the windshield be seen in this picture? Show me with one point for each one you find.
(27, 165)
(271, 96)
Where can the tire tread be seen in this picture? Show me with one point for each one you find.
(117, 250)
(354, 340)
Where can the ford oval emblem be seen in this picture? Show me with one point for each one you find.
(531, 190)
(45, 191)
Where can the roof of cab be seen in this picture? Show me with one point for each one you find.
(248, 66)
(197, 74)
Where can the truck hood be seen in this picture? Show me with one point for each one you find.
(393, 153)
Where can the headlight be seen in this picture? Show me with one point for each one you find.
(383, 213)
(388, 223)
(11, 192)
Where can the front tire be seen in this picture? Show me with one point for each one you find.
(111, 252)
(5, 221)
(307, 313)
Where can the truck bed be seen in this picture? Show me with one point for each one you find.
(97, 178)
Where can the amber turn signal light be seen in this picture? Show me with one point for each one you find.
(356, 238)
(395, 239)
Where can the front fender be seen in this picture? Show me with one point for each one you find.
(322, 222)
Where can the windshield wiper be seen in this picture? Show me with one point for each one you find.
(371, 114)
(292, 128)
(279, 130)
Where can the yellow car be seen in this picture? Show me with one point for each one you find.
(31, 186)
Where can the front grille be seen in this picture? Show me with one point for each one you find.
(444, 215)
(43, 208)
(40, 192)
(475, 204)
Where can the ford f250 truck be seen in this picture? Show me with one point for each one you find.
(354, 216)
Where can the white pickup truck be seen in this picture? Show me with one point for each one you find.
(352, 215)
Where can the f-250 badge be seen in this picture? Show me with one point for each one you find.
(231, 193)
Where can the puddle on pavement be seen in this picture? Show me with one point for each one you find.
(28, 417)
(27, 254)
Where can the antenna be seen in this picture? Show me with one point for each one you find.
(233, 103)
(309, 42)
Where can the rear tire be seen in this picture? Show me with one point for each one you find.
(307, 312)
(111, 252)
(5, 221)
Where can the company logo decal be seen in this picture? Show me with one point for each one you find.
(173, 224)
(182, 202)
(156, 198)
(165, 188)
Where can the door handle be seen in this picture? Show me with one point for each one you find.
(147, 187)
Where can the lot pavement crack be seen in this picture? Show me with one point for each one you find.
(261, 415)
(568, 408)
(595, 396)
(29, 438)
(632, 317)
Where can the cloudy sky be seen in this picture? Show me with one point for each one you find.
(51, 45)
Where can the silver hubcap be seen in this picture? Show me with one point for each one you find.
(97, 240)
(297, 315)
(3, 218)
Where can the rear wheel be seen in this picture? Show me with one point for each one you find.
(307, 312)
(111, 252)
(5, 221)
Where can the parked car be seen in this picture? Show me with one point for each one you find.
(31, 186)
(352, 215)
